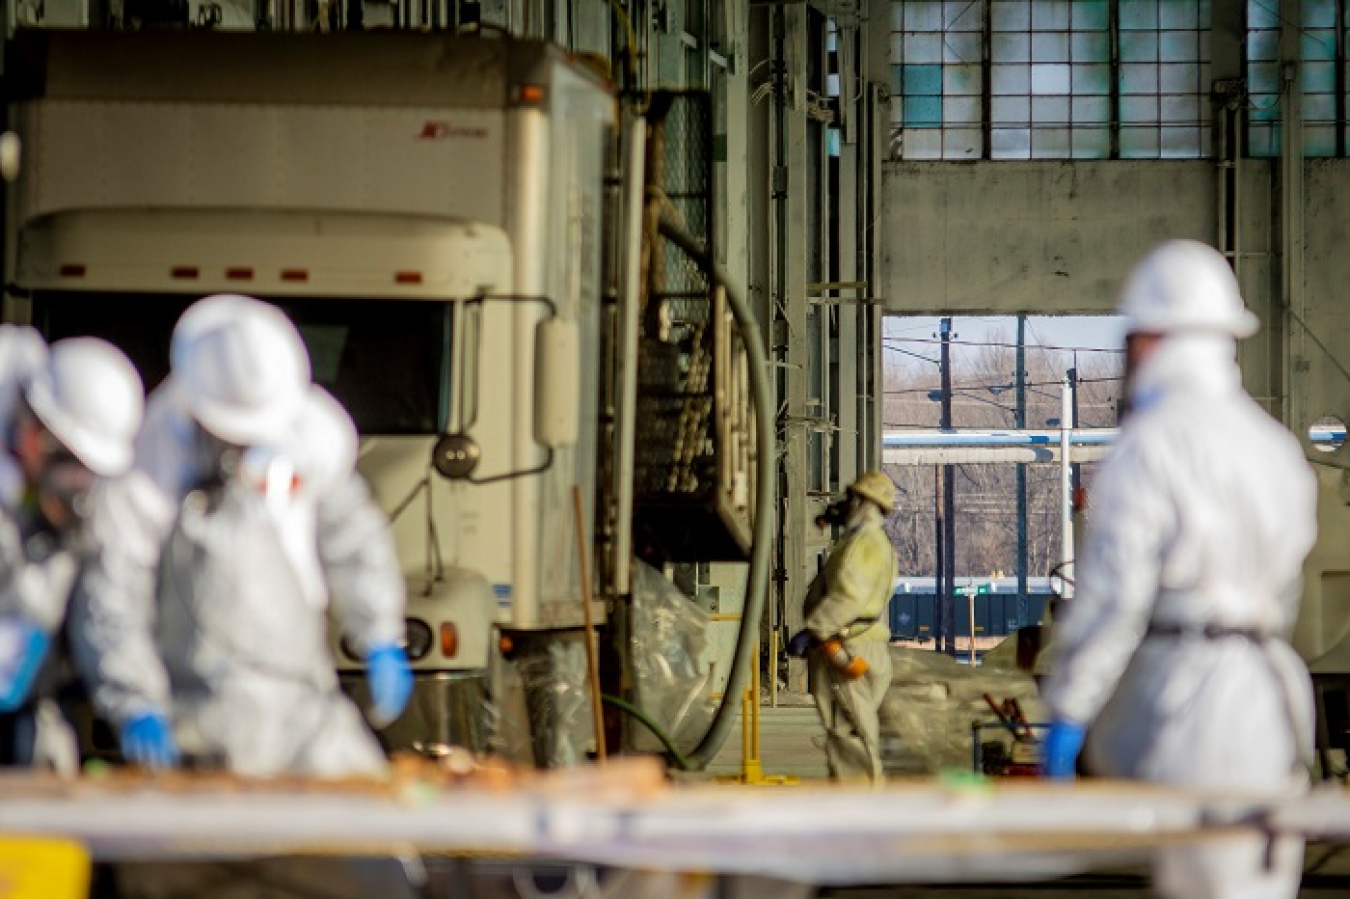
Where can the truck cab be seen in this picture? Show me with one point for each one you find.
(428, 211)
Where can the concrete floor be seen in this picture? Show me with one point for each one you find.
(791, 742)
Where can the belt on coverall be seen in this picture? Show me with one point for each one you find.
(1255, 635)
(1209, 632)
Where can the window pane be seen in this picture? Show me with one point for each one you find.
(1091, 15)
(923, 48)
(1091, 110)
(1139, 143)
(1094, 46)
(923, 112)
(1179, 46)
(1092, 80)
(1011, 47)
(962, 79)
(1050, 47)
(1139, 109)
(1319, 45)
(1050, 110)
(963, 143)
(1181, 109)
(1049, 15)
(1050, 143)
(1011, 110)
(923, 15)
(961, 47)
(925, 80)
(1179, 142)
(1091, 143)
(1138, 79)
(956, 110)
(1139, 46)
(1011, 143)
(1319, 140)
(1177, 78)
(1178, 14)
(922, 144)
(1050, 79)
(1011, 15)
(1012, 79)
(1141, 14)
(1319, 76)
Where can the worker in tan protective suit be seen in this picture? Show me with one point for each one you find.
(1174, 647)
(847, 638)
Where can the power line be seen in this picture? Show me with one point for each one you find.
(1011, 346)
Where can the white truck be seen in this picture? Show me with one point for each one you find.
(432, 211)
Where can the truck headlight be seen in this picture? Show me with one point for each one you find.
(417, 639)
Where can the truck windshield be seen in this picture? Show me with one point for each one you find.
(387, 361)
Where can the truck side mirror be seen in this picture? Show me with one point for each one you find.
(557, 383)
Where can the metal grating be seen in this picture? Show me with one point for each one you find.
(693, 447)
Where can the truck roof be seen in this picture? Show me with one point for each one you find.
(391, 68)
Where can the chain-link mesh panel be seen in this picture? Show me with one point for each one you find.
(691, 477)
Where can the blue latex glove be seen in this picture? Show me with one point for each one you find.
(390, 681)
(800, 643)
(26, 645)
(1063, 743)
(147, 741)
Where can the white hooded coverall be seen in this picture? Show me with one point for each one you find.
(221, 606)
(34, 586)
(1204, 513)
(849, 599)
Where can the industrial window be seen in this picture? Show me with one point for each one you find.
(1027, 79)
(1323, 98)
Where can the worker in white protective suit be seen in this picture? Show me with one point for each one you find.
(1174, 648)
(67, 415)
(241, 522)
(846, 638)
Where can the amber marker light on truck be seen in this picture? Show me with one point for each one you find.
(449, 640)
(407, 277)
(71, 271)
(238, 274)
(184, 272)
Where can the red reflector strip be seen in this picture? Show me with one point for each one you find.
(407, 277)
(239, 274)
(294, 274)
(72, 271)
(183, 271)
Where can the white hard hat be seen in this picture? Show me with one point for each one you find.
(89, 396)
(1185, 285)
(242, 367)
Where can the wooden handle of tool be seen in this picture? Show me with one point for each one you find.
(592, 662)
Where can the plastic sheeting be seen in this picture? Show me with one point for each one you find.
(670, 634)
(927, 714)
(553, 675)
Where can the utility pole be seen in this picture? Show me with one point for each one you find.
(948, 599)
(1075, 472)
(1023, 604)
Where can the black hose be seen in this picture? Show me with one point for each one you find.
(671, 749)
(757, 580)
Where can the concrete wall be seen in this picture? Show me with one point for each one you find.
(1045, 237)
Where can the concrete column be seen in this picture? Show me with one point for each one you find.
(790, 336)
(1291, 212)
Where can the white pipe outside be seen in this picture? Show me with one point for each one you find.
(1066, 483)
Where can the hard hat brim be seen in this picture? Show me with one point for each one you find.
(242, 428)
(103, 456)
